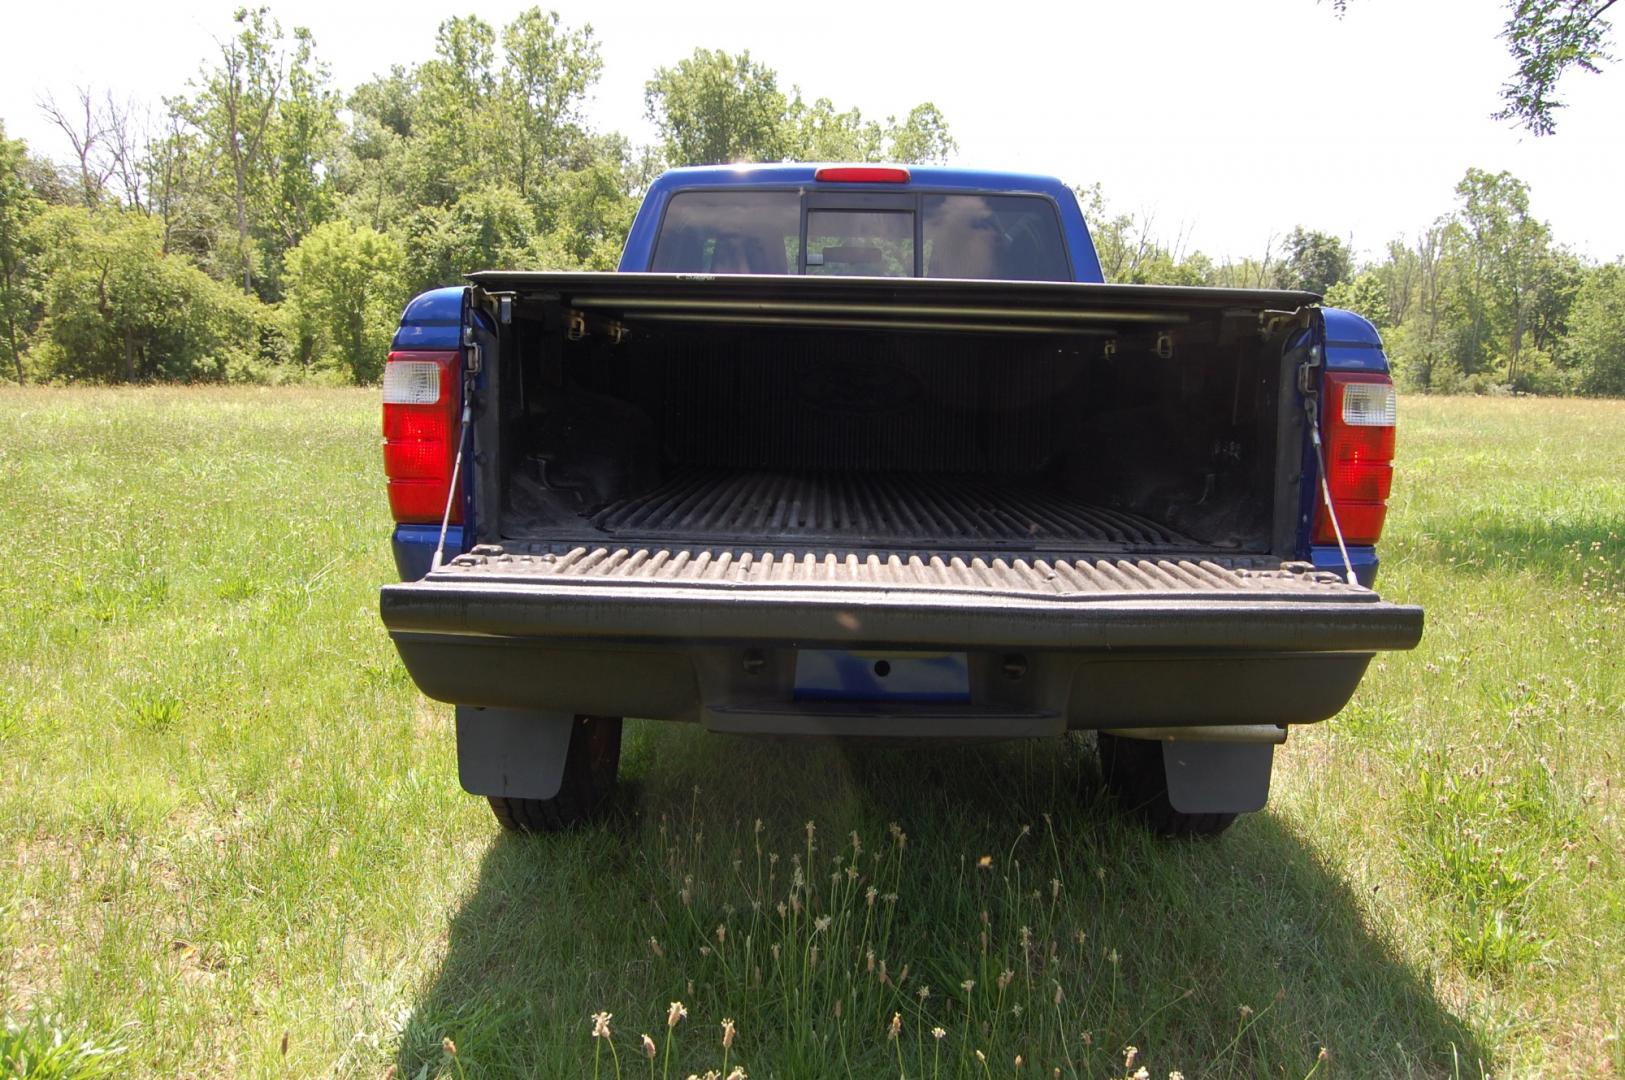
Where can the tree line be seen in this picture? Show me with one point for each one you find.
(1482, 299)
(264, 226)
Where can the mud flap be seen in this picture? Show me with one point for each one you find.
(1217, 778)
(515, 753)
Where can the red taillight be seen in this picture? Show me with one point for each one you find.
(862, 174)
(1357, 428)
(422, 414)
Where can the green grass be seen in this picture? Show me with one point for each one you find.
(233, 841)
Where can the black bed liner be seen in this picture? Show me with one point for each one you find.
(880, 509)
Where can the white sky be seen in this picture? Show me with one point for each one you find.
(1231, 121)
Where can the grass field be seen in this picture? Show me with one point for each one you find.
(233, 841)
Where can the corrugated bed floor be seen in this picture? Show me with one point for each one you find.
(875, 509)
(721, 566)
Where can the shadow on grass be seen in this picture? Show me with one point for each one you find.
(1494, 544)
(1177, 937)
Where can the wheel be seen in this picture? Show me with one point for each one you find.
(1133, 772)
(590, 767)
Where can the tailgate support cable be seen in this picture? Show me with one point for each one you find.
(463, 434)
(1309, 389)
(450, 496)
(1326, 488)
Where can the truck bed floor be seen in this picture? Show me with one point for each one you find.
(876, 509)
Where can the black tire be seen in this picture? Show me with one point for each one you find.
(590, 768)
(1133, 772)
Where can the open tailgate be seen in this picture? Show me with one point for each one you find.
(959, 600)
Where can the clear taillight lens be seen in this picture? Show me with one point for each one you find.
(1369, 404)
(411, 382)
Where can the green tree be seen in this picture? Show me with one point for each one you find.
(234, 107)
(820, 132)
(248, 162)
(1313, 261)
(344, 285)
(547, 72)
(376, 181)
(1559, 274)
(487, 228)
(1413, 279)
(1596, 336)
(487, 110)
(303, 140)
(1429, 339)
(586, 212)
(1399, 275)
(1547, 38)
(712, 108)
(923, 137)
(50, 181)
(1508, 251)
(455, 144)
(179, 177)
(1128, 252)
(1364, 295)
(18, 286)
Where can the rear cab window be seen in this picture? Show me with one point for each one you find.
(872, 243)
(926, 234)
(729, 231)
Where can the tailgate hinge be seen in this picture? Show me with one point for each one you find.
(1309, 375)
(473, 355)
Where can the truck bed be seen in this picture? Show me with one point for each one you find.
(650, 409)
(689, 490)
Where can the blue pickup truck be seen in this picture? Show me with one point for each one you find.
(872, 452)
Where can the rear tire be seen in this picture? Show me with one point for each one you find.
(590, 769)
(1134, 774)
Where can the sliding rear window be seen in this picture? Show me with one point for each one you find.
(868, 243)
(743, 231)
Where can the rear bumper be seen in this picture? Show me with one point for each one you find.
(1037, 665)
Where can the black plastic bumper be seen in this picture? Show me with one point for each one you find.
(1037, 666)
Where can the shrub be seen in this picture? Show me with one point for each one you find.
(118, 309)
(345, 291)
